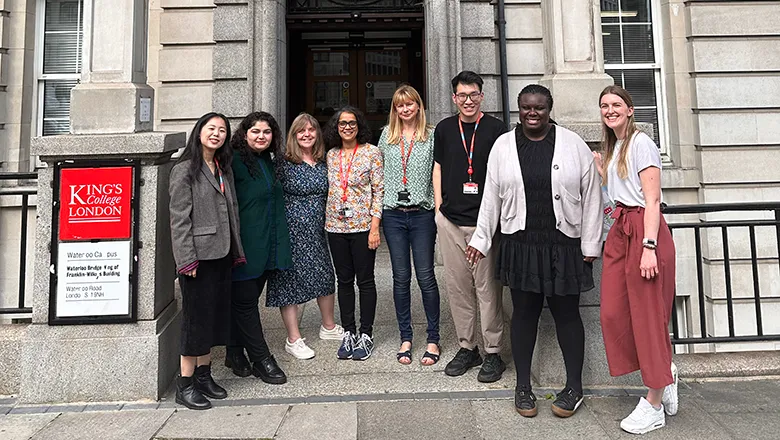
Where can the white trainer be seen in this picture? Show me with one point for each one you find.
(644, 418)
(298, 349)
(670, 398)
(334, 334)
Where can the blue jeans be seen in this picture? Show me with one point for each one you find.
(415, 229)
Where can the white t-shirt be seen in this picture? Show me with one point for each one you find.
(643, 153)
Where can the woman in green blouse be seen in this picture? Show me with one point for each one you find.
(408, 216)
(265, 237)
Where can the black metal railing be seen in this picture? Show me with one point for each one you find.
(313, 6)
(25, 190)
(706, 331)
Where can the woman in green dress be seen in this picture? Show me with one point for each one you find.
(266, 239)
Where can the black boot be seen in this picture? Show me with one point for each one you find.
(238, 363)
(188, 395)
(206, 385)
(269, 372)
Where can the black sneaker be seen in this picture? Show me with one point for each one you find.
(525, 401)
(492, 369)
(464, 360)
(566, 403)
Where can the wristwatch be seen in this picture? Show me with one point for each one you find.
(649, 243)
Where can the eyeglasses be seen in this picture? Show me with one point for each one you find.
(462, 97)
(345, 124)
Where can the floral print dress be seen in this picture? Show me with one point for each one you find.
(305, 194)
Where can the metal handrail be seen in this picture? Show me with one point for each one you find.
(25, 193)
(725, 226)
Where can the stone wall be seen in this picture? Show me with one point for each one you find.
(17, 82)
(725, 75)
(181, 50)
(525, 50)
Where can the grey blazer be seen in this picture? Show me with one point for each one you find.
(204, 221)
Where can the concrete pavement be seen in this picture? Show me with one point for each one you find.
(743, 409)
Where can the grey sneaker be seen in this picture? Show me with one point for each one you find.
(363, 348)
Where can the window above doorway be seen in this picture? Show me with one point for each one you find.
(313, 6)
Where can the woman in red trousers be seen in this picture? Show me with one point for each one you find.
(637, 283)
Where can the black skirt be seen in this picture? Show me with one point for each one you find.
(541, 258)
(206, 307)
(546, 262)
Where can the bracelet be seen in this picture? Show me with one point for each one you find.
(649, 242)
(648, 246)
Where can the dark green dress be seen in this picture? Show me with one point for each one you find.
(264, 232)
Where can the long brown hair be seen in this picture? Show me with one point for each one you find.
(404, 94)
(293, 150)
(610, 138)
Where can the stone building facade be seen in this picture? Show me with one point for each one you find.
(705, 72)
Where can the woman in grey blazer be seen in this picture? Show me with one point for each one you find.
(206, 245)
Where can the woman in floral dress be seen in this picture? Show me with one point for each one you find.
(304, 178)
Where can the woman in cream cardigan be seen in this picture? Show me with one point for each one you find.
(543, 188)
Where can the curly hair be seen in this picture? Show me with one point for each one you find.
(331, 132)
(193, 150)
(239, 144)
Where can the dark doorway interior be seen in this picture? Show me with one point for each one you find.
(362, 65)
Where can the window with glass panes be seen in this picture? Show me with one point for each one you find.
(60, 66)
(631, 57)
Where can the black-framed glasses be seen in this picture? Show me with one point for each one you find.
(345, 124)
(474, 96)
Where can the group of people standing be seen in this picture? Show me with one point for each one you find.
(249, 215)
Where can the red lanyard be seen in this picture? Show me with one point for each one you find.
(469, 152)
(345, 177)
(405, 157)
(219, 173)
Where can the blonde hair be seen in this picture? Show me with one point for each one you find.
(404, 94)
(293, 149)
(610, 138)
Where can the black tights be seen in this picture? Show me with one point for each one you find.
(568, 325)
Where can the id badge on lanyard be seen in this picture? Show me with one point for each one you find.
(470, 187)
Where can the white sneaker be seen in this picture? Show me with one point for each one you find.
(334, 334)
(298, 349)
(670, 399)
(644, 418)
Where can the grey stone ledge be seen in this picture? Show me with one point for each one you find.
(592, 131)
(129, 145)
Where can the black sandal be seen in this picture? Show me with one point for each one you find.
(404, 354)
(432, 356)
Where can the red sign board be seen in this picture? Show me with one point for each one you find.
(95, 203)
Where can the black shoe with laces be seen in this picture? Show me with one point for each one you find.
(525, 401)
(238, 363)
(566, 402)
(464, 360)
(269, 372)
(492, 368)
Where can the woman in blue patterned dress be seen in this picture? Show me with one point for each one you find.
(304, 178)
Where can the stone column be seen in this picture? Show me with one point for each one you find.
(111, 119)
(113, 79)
(574, 63)
(443, 57)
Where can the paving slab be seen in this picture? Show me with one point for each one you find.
(691, 422)
(497, 419)
(23, 426)
(123, 425)
(754, 426)
(235, 423)
(430, 420)
(334, 421)
(738, 396)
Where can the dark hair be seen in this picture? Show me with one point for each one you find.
(537, 89)
(331, 133)
(247, 155)
(466, 77)
(193, 151)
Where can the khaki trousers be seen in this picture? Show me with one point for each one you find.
(470, 287)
